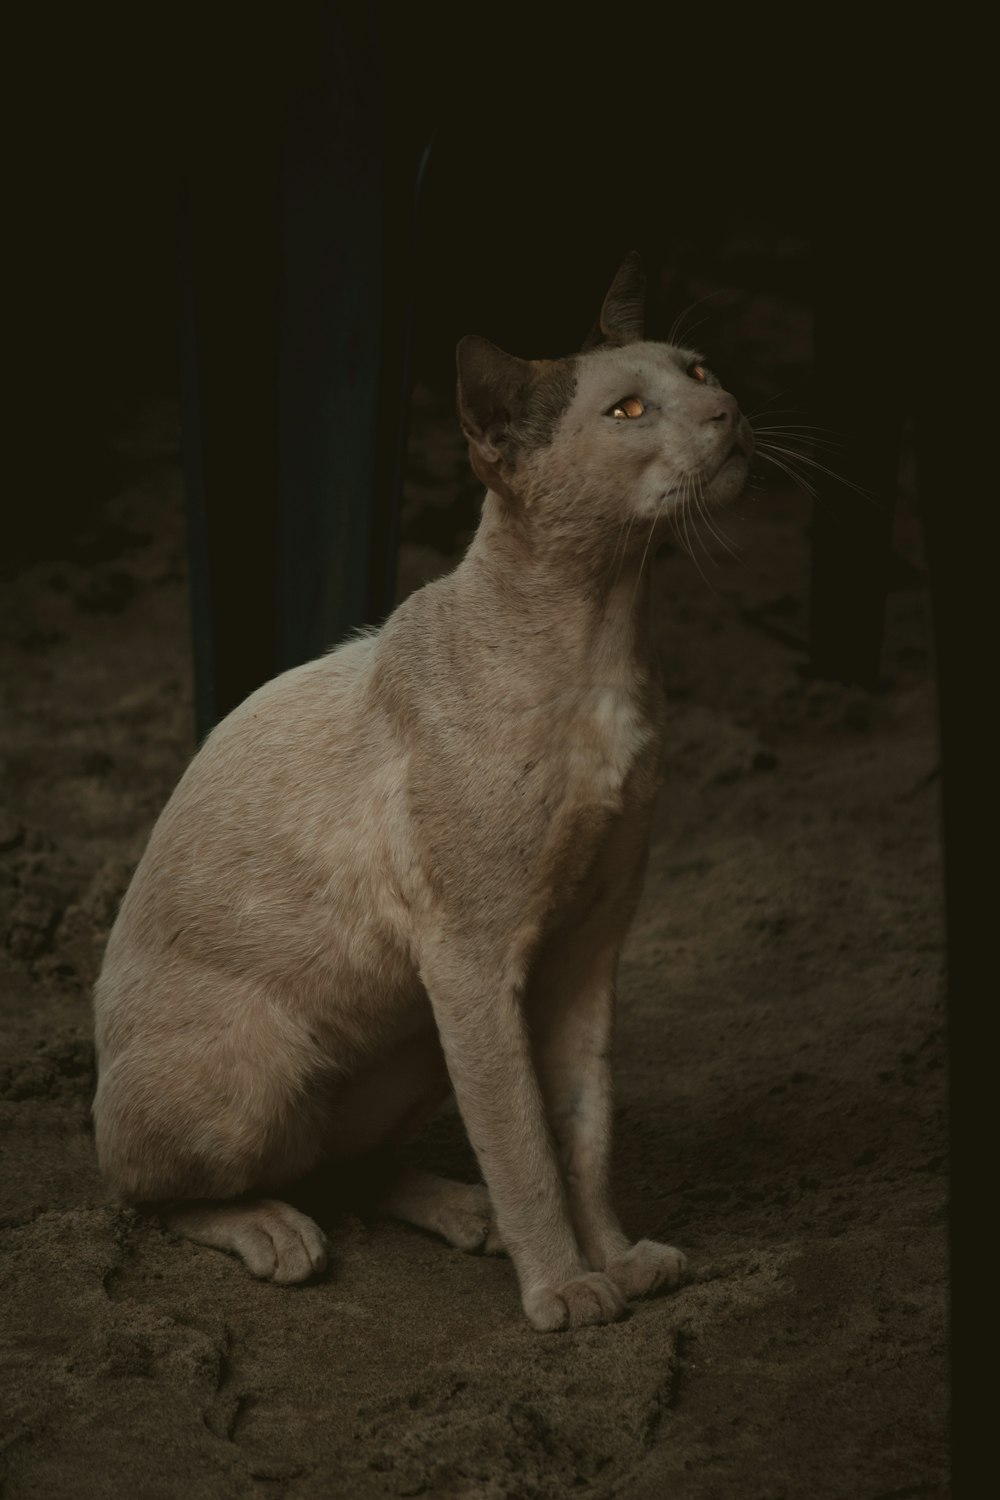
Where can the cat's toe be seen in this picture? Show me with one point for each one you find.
(274, 1241)
(280, 1244)
(587, 1299)
(493, 1243)
(467, 1222)
(647, 1267)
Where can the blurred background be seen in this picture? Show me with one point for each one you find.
(230, 203)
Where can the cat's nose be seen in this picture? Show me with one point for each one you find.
(727, 410)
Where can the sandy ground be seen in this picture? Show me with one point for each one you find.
(780, 1105)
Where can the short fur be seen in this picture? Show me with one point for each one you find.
(409, 867)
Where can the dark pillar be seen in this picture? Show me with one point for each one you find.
(296, 275)
(859, 399)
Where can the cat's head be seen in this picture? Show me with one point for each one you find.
(624, 430)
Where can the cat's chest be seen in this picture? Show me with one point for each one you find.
(603, 737)
(601, 778)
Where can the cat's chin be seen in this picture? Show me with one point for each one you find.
(729, 479)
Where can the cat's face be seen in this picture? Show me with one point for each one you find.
(627, 432)
(647, 429)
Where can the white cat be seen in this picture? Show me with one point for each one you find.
(409, 867)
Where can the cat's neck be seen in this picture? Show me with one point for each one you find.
(585, 608)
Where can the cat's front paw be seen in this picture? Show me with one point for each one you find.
(589, 1298)
(646, 1267)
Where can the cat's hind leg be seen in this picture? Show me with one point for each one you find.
(385, 1107)
(200, 1117)
(459, 1212)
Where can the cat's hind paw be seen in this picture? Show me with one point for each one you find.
(275, 1241)
(459, 1212)
(467, 1222)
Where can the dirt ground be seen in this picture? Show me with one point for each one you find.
(780, 1082)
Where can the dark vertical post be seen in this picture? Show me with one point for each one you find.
(861, 391)
(297, 284)
(229, 295)
(332, 238)
(862, 413)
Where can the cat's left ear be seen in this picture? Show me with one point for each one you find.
(623, 314)
(493, 389)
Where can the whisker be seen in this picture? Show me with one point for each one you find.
(681, 540)
(645, 550)
(674, 518)
(797, 426)
(678, 323)
(689, 516)
(801, 435)
(776, 397)
(697, 514)
(798, 480)
(768, 447)
(686, 333)
(713, 526)
(625, 531)
(684, 517)
(793, 411)
(801, 483)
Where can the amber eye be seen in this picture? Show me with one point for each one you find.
(697, 372)
(630, 407)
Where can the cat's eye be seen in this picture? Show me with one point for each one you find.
(697, 372)
(630, 407)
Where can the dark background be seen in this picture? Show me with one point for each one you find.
(558, 145)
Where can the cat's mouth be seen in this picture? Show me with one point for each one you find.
(735, 451)
(738, 451)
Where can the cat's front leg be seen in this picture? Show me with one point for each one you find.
(572, 1045)
(477, 1003)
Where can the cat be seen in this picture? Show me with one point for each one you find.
(408, 868)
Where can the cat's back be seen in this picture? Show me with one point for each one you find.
(288, 786)
(294, 734)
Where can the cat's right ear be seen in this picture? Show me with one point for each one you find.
(623, 315)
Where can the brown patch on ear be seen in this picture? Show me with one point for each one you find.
(492, 390)
(508, 406)
(489, 474)
(553, 385)
(623, 314)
